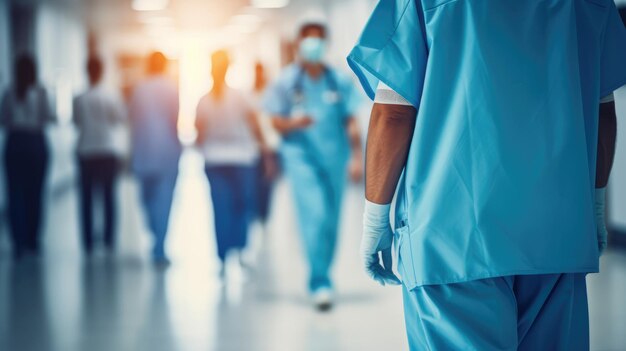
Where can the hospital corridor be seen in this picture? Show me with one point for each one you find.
(316, 175)
(61, 302)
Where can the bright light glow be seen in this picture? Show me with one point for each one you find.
(195, 81)
(270, 4)
(245, 23)
(150, 5)
(156, 20)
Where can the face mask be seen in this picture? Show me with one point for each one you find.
(312, 49)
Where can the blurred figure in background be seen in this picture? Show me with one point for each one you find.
(25, 112)
(98, 113)
(231, 141)
(156, 148)
(313, 107)
(267, 168)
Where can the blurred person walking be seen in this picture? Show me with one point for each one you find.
(267, 168)
(314, 108)
(232, 143)
(98, 114)
(156, 148)
(25, 112)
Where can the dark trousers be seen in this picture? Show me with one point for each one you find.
(98, 174)
(26, 160)
(232, 193)
(264, 187)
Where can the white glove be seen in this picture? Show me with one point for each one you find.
(378, 237)
(600, 205)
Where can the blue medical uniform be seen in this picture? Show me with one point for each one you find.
(315, 158)
(500, 175)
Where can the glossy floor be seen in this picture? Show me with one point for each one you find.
(64, 302)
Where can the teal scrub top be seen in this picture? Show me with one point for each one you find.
(329, 100)
(500, 174)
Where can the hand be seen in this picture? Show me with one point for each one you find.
(378, 238)
(355, 168)
(301, 122)
(270, 164)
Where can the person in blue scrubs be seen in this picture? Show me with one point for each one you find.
(486, 129)
(156, 148)
(313, 106)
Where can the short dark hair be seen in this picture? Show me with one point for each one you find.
(309, 26)
(95, 67)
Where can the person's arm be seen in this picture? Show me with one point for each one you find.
(285, 125)
(49, 116)
(201, 126)
(119, 111)
(355, 167)
(4, 110)
(388, 141)
(257, 132)
(76, 117)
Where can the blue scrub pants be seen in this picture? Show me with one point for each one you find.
(232, 193)
(531, 312)
(157, 194)
(317, 194)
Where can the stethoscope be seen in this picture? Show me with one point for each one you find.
(331, 96)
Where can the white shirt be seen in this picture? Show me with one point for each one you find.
(99, 115)
(228, 137)
(30, 113)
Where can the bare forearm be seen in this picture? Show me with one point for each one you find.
(282, 125)
(354, 136)
(388, 141)
(255, 126)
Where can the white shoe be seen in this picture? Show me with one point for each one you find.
(322, 299)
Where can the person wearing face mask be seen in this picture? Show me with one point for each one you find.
(313, 107)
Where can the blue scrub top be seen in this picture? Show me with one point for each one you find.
(329, 100)
(500, 175)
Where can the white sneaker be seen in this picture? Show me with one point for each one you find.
(322, 299)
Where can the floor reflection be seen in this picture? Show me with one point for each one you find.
(65, 302)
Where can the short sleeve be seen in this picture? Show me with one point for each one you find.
(275, 101)
(393, 49)
(613, 60)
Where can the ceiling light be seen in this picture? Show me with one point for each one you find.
(269, 4)
(150, 5)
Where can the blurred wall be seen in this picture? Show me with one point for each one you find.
(61, 48)
(617, 187)
(4, 45)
